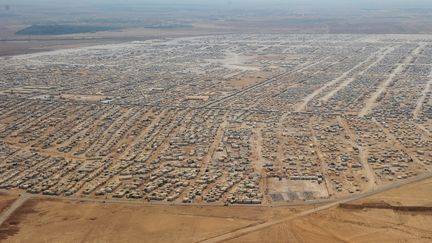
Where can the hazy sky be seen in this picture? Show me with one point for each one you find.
(342, 3)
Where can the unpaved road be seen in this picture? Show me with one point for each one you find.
(233, 234)
(14, 206)
(345, 83)
(372, 101)
(302, 106)
(425, 93)
(243, 231)
(262, 83)
(363, 155)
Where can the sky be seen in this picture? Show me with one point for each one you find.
(244, 3)
(328, 7)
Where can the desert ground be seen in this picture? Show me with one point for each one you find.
(215, 125)
(6, 199)
(41, 220)
(137, 25)
(367, 225)
(221, 119)
(52, 220)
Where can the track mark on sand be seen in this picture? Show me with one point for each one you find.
(302, 106)
(420, 101)
(363, 154)
(345, 83)
(372, 101)
(13, 207)
(260, 226)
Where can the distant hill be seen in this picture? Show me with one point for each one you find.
(62, 29)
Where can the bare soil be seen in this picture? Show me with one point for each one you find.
(66, 221)
(367, 225)
(83, 97)
(340, 225)
(6, 200)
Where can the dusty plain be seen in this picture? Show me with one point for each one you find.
(45, 220)
(231, 128)
(359, 225)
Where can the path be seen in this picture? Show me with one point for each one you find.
(258, 161)
(397, 144)
(209, 156)
(371, 103)
(322, 160)
(308, 98)
(363, 154)
(262, 83)
(345, 83)
(420, 101)
(23, 197)
(249, 229)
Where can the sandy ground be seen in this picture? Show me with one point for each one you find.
(368, 225)
(287, 186)
(241, 83)
(418, 194)
(340, 225)
(14, 45)
(83, 97)
(61, 221)
(42, 220)
(6, 200)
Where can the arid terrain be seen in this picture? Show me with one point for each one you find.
(215, 123)
(221, 119)
(242, 138)
(359, 225)
(44, 220)
(6, 199)
(140, 22)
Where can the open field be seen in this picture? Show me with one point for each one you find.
(367, 225)
(418, 194)
(6, 199)
(342, 225)
(239, 128)
(15, 45)
(215, 122)
(46, 220)
(140, 22)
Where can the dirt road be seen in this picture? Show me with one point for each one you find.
(422, 99)
(14, 206)
(372, 101)
(363, 155)
(250, 229)
(345, 83)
